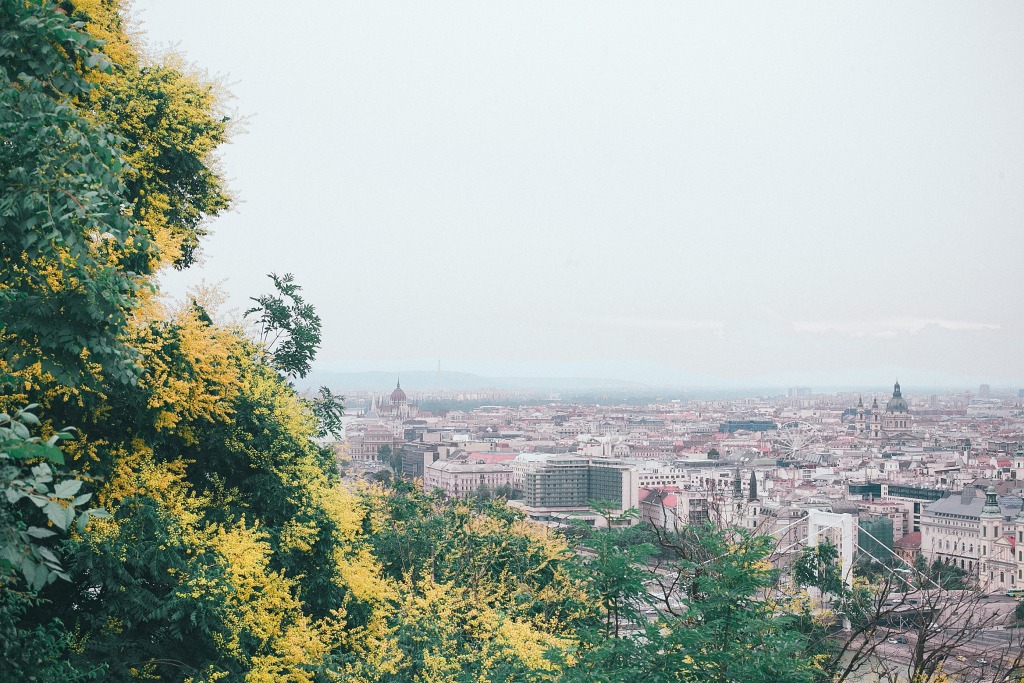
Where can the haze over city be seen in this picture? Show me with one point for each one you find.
(673, 194)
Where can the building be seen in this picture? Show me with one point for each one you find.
(730, 426)
(365, 441)
(877, 425)
(461, 478)
(395, 407)
(978, 533)
(555, 488)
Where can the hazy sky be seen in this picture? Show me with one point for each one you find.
(671, 192)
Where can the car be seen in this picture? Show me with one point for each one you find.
(981, 661)
(961, 658)
(898, 640)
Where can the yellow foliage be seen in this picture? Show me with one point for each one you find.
(191, 373)
(360, 573)
(136, 472)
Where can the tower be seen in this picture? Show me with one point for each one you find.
(897, 413)
(875, 430)
(991, 517)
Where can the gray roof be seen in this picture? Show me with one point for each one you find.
(970, 503)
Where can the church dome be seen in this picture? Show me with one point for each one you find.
(398, 396)
(897, 404)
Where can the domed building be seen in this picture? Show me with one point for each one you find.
(398, 396)
(394, 407)
(897, 416)
(873, 423)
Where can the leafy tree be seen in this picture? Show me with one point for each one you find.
(34, 652)
(328, 409)
(288, 328)
(483, 493)
(26, 475)
(65, 241)
(818, 567)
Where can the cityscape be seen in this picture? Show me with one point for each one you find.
(938, 476)
(576, 342)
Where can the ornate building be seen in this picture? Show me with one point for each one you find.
(394, 407)
(877, 425)
(981, 534)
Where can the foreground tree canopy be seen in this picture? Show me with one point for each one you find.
(190, 528)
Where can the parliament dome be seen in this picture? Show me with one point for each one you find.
(398, 396)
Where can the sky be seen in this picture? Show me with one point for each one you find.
(672, 193)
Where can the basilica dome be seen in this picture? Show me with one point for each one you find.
(897, 404)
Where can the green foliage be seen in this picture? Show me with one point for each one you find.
(65, 296)
(26, 475)
(34, 651)
(818, 567)
(328, 409)
(948, 576)
(706, 615)
(38, 652)
(288, 328)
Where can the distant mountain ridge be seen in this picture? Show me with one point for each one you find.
(418, 380)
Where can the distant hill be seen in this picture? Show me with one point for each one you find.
(454, 381)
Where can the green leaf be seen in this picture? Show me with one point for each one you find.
(38, 532)
(67, 488)
(61, 516)
(40, 577)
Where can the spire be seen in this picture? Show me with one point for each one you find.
(399, 385)
(991, 505)
(753, 487)
(737, 485)
(860, 401)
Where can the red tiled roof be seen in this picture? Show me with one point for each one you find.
(911, 541)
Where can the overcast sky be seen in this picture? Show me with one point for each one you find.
(734, 193)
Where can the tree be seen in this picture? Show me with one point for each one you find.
(483, 493)
(31, 471)
(71, 262)
(329, 409)
(818, 567)
(27, 474)
(287, 327)
(936, 622)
